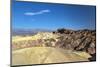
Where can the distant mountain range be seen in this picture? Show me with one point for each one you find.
(23, 32)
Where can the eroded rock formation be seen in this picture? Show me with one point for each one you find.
(80, 40)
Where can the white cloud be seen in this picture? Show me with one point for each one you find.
(36, 13)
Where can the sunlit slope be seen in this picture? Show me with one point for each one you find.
(42, 55)
(19, 42)
(40, 35)
(20, 38)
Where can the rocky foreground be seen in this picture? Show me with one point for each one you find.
(75, 41)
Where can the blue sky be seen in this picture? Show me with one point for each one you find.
(33, 15)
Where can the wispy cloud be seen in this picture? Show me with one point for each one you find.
(36, 13)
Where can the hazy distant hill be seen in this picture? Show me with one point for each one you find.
(23, 32)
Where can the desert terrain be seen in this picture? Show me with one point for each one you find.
(54, 47)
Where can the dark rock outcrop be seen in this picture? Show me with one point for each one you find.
(81, 40)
